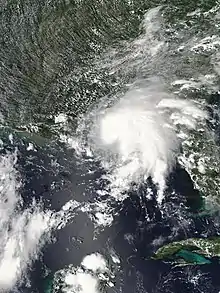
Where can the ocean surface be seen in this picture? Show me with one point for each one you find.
(109, 144)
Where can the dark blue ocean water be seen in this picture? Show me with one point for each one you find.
(47, 67)
(137, 222)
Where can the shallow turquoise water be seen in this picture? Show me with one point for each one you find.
(64, 57)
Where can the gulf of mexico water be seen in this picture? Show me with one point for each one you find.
(109, 143)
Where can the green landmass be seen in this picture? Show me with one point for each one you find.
(190, 251)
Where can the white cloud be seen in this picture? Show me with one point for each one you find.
(20, 231)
